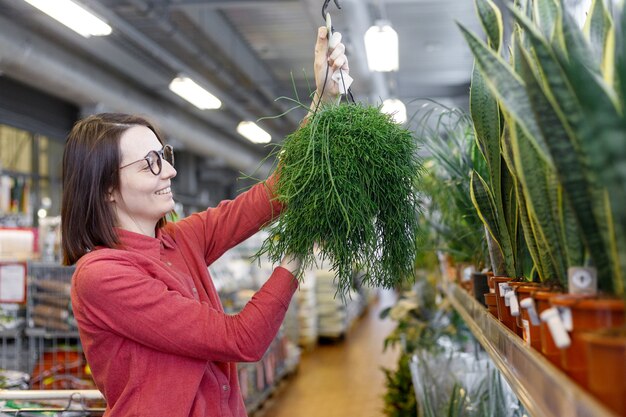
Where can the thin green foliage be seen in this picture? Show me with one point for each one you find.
(447, 137)
(347, 181)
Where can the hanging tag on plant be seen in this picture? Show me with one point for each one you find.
(529, 304)
(552, 317)
(566, 317)
(582, 280)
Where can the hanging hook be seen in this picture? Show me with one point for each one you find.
(325, 7)
(326, 15)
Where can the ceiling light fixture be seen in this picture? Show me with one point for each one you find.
(74, 16)
(395, 108)
(381, 47)
(253, 132)
(192, 92)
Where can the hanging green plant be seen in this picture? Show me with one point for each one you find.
(347, 179)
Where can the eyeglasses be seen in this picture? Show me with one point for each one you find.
(155, 159)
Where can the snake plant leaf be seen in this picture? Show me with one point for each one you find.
(597, 28)
(486, 208)
(620, 56)
(512, 221)
(577, 49)
(572, 237)
(485, 114)
(546, 14)
(573, 171)
(506, 86)
(491, 20)
(552, 74)
(536, 178)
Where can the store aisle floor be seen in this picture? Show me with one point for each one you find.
(341, 379)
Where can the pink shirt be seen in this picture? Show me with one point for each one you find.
(151, 323)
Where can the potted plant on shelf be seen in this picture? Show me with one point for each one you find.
(563, 102)
(446, 136)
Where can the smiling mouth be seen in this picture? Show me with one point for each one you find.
(164, 191)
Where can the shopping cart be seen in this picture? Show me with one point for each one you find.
(55, 354)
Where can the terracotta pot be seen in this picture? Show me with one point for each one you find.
(480, 286)
(588, 314)
(490, 301)
(548, 348)
(606, 357)
(504, 314)
(530, 332)
(490, 282)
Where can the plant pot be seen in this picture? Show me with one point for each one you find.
(490, 302)
(504, 314)
(548, 348)
(531, 333)
(480, 286)
(588, 314)
(490, 282)
(606, 358)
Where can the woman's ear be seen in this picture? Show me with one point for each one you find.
(110, 196)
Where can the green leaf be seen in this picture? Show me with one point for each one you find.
(491, 20)
(574, 248)
(538, 187)
(597, 28)
(486, 117)
(485, 205)
(572, 169)
(576, 46)
(552, 74)
(546, 15)
(507, 86)
(620, 56)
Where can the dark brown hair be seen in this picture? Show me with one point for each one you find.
(91, 159)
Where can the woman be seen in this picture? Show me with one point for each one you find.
(150, 320)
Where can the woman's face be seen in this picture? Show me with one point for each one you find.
(142, 198)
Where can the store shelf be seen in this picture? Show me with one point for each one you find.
(543, 389)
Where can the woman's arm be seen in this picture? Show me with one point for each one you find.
(128, 302)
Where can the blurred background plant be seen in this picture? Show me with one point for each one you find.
(451, 223)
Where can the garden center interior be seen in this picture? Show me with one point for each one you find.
(466, 255)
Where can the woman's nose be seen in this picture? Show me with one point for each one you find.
(168, 170)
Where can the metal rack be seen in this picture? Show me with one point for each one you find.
(543, 389)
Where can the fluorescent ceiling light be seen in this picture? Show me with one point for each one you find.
(253, 133)
(381, 47)
(74, 16)
(395, 108)
(193, 93)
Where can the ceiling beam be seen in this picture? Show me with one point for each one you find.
(40, 63)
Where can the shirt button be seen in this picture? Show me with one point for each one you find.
(168, 263)
(195, 291)
(225, 387)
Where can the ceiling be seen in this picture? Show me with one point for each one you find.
(247, 52)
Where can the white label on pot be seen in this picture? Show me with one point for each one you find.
(507, 300)
(526, 328)
(511, 297)
(532, 313)
(502, 286)
(582, 280)
(566, 317)
(560, 336)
